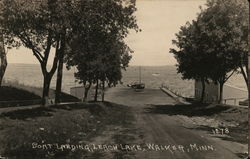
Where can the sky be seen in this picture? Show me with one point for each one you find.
(159, 20)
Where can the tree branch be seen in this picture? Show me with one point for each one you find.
(229, 76)
(244, 73)
(29, 44)
(37, 56)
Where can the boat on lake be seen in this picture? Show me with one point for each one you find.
(137, 85)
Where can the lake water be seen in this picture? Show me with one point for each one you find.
(152, 76)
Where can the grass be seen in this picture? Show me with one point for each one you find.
(67, 97)
(67, 124)
(8, 93)
(18, 85)
(15, 91)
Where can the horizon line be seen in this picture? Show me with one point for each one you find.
(128, 66)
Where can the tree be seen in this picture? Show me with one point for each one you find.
(227, 35)
(214, 44)
(72, 14)
(39, 26)
(114, 16)
(102, 63)
(248, 73)
(3, 58)
(60, 72)
(98, 37)
(193, 61)
(114, 60)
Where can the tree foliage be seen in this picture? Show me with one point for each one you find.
(225, 23)
(51, 25)
(98, 49)
(193, 61)
(40, 26)
(214, 45)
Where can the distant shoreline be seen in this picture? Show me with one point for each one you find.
(129, 65)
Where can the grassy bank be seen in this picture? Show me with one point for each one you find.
(15, 94)
(8, 93)
(23, 133)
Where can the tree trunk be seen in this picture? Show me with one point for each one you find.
(203, 90)
(3, 60)
(59, 81)
(96, 91)
(103, 90)
(248, 74)
(60, 70)
(46, 86)
(221, 92)
(86, 91)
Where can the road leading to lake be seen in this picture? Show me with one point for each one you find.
(167, 136)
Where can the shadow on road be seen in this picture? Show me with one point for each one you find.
(187, 110)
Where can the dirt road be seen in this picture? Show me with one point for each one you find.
(167, 136)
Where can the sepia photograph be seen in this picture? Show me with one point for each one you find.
(124, 79)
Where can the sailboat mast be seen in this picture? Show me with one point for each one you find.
(140, 74)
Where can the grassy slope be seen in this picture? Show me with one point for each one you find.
(21, 92)
(75, 124)
(8, 93)
(66, 97)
